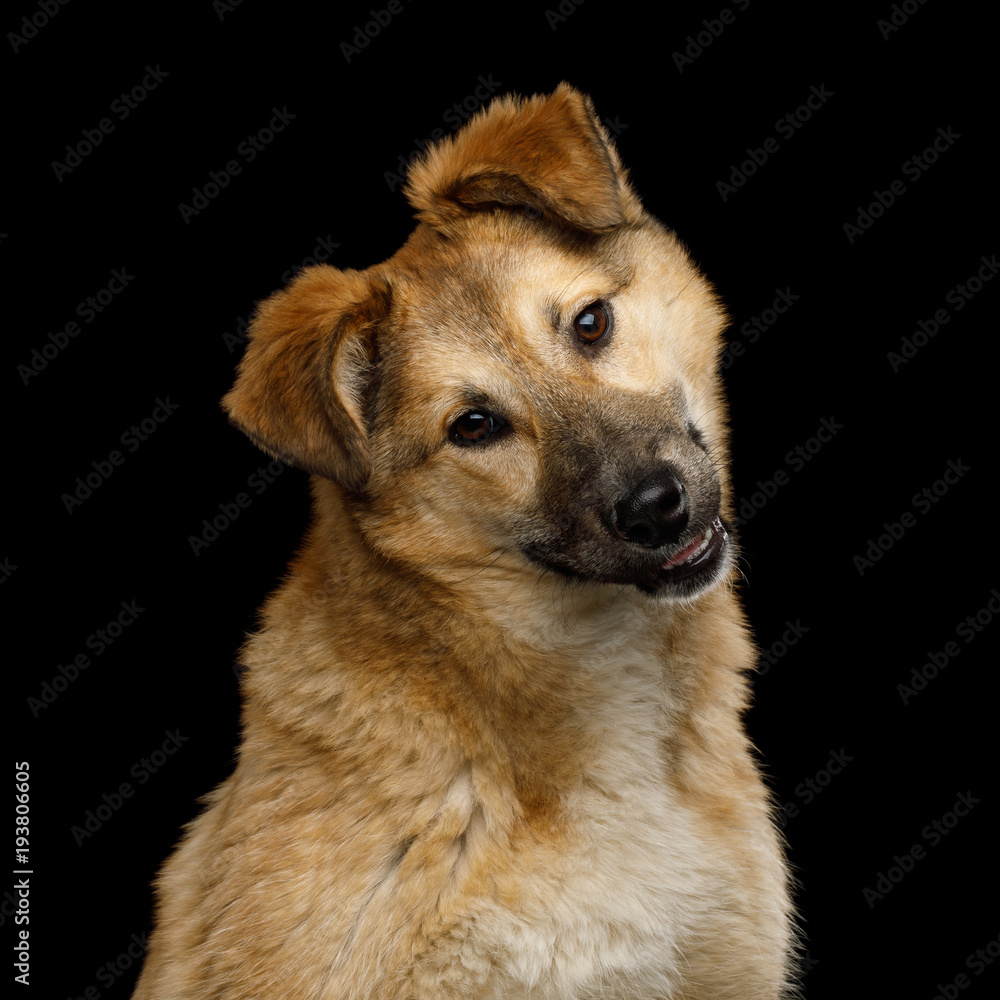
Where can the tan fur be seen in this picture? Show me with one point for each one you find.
(464, 774)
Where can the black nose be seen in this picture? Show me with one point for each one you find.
(655, 512)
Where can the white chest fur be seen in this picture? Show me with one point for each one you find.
(606, 910)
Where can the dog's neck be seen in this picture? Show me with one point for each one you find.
(478, 653)
(526, 604)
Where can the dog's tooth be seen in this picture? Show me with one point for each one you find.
(704, 544)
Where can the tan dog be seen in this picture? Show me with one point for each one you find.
(492, 740)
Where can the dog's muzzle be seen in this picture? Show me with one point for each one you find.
(656, 515)
(615, 510)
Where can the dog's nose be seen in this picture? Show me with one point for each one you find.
(655, 513)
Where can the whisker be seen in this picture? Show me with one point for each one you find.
(485, 566)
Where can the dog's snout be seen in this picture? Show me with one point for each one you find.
(655, 512)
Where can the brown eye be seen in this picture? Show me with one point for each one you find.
(475, 427)
(592, 324)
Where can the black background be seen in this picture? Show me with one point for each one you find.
(833, 693)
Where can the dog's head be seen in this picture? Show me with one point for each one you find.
(529, 384)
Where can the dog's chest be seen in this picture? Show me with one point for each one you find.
(607, 893)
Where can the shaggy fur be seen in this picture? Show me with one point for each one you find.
(492, 741)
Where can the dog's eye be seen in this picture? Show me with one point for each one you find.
(592, 324)
(475, 427)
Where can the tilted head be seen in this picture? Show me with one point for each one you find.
(529, 384)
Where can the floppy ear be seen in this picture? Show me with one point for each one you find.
(299, 392)
(544, 154)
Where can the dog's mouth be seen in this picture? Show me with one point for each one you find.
(699, 556)
(702, 552)
(691, 569)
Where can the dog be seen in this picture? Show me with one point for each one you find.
(492, 740)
